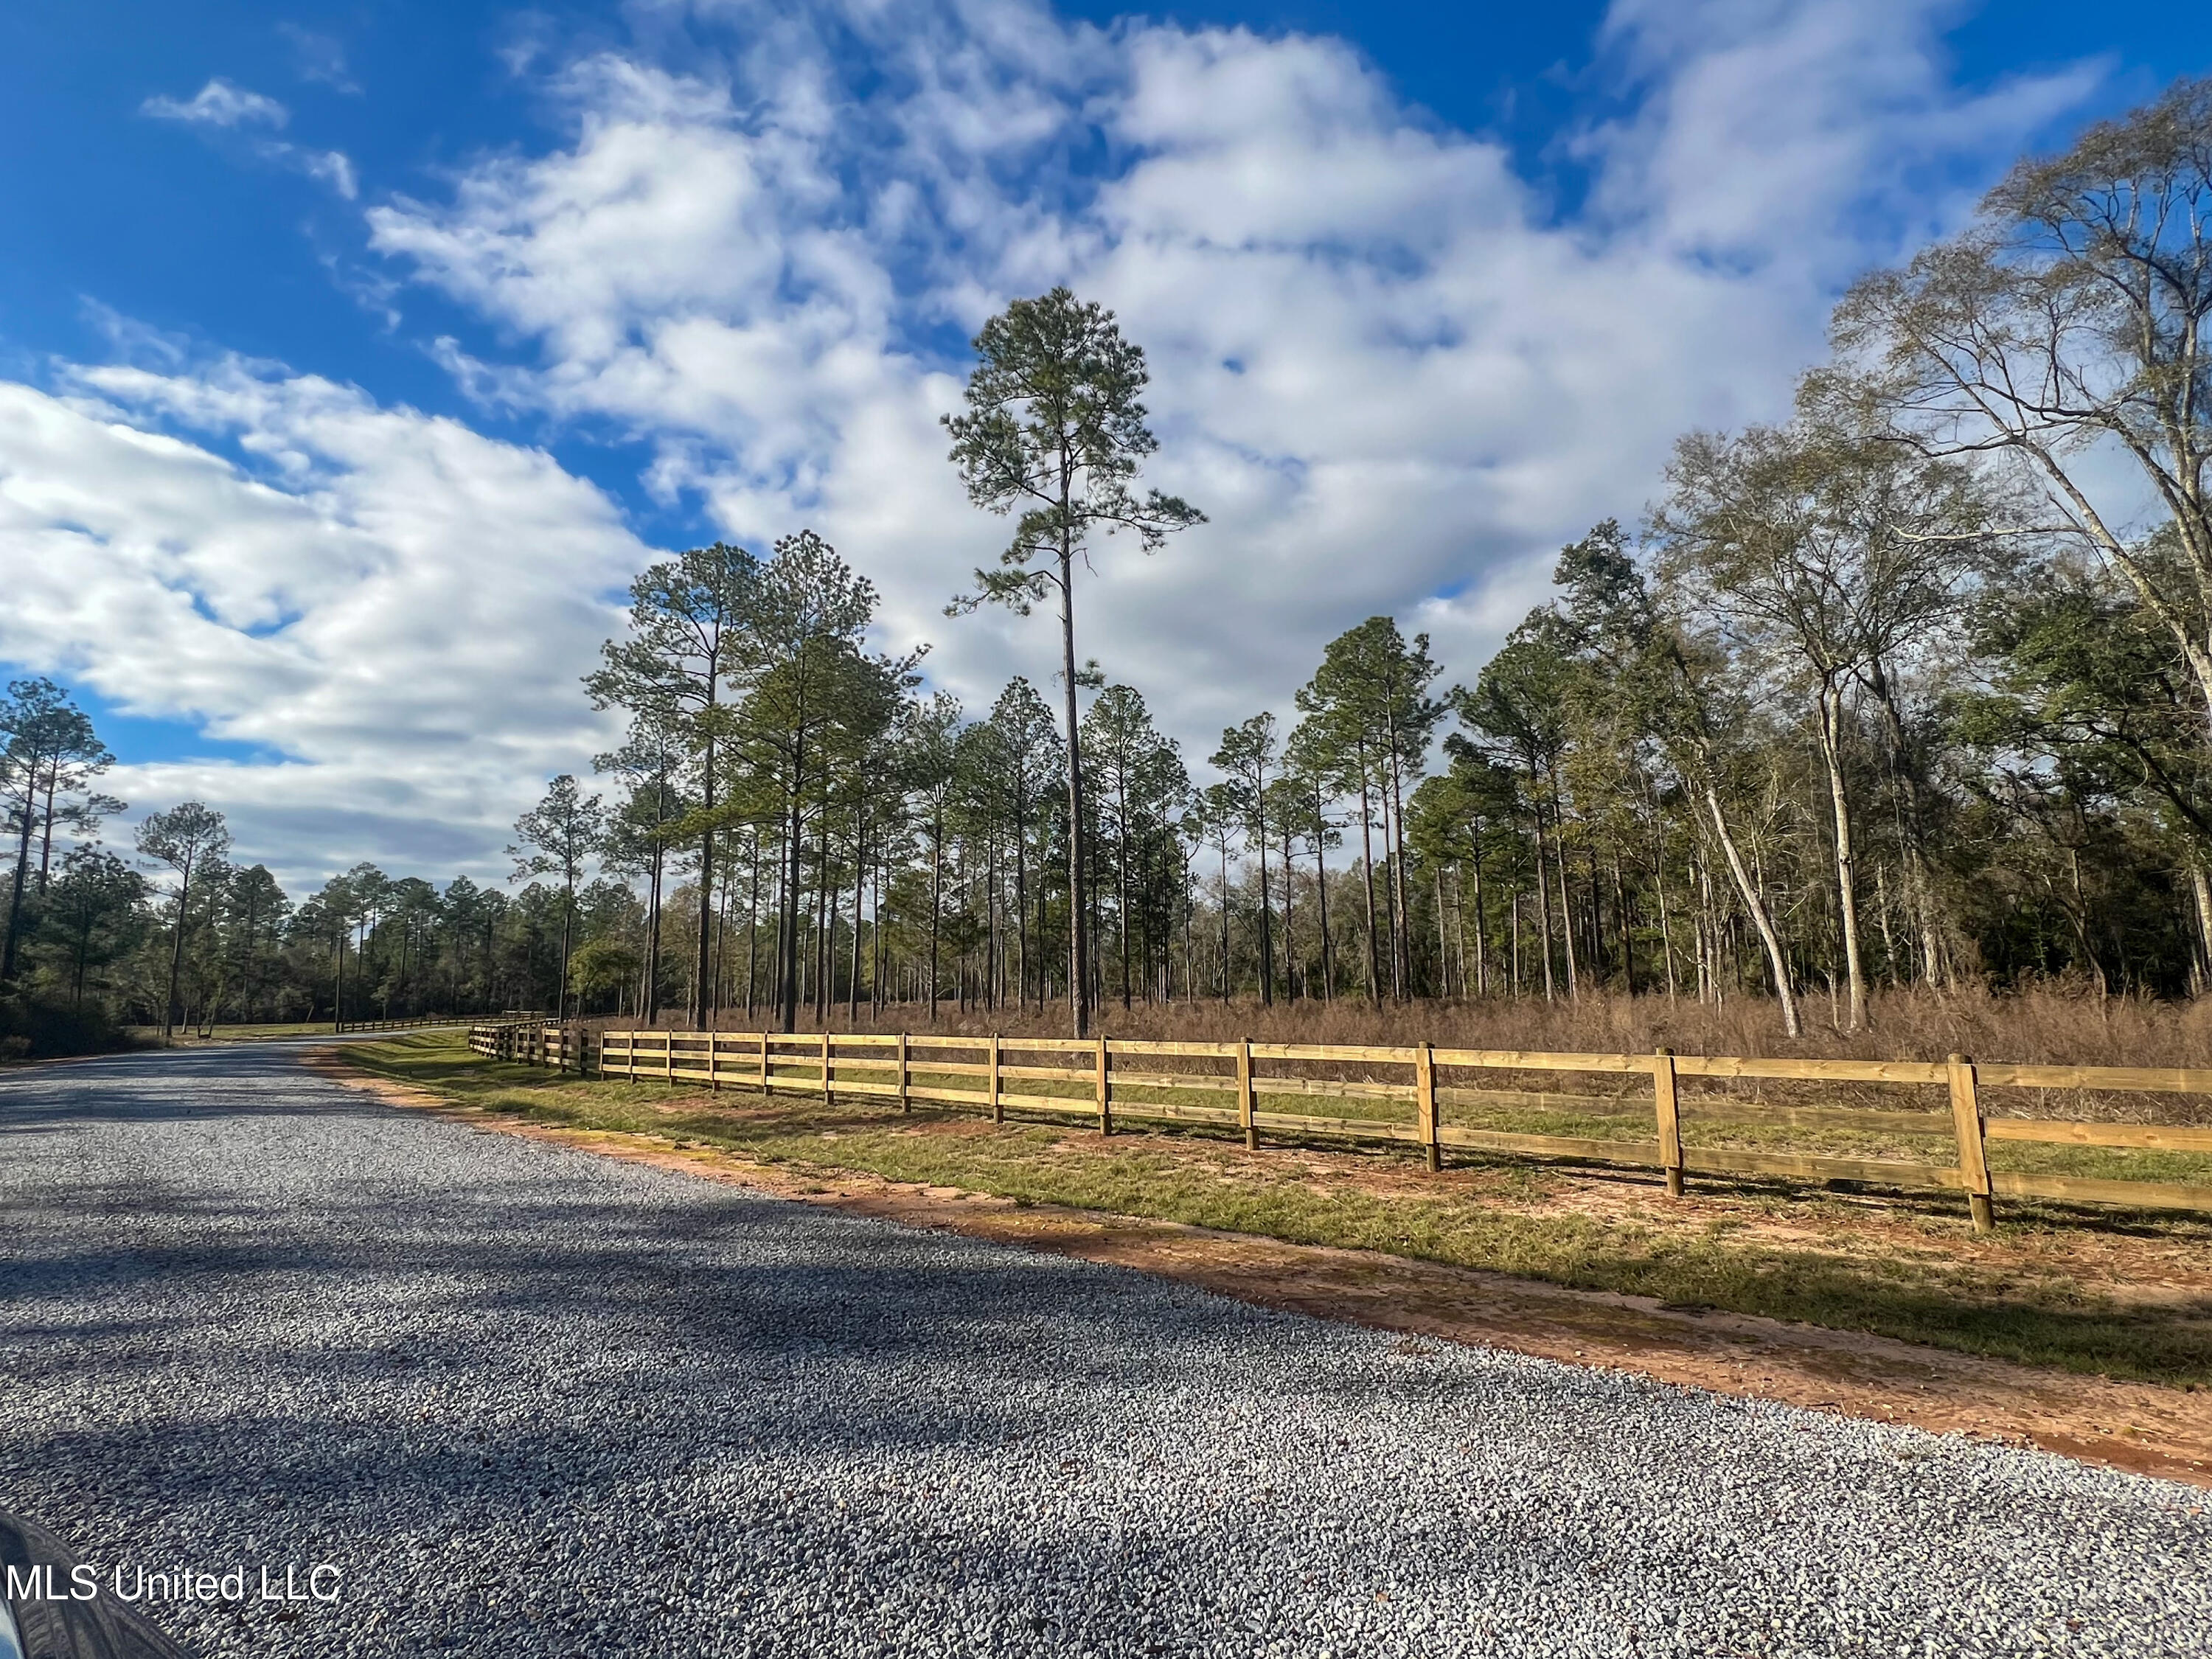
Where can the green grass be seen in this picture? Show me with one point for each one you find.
(2021, 1298)
(186, 1038)
(236, 1033)
(1626, 1118)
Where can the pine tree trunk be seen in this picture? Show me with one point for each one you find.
(1321, 890)
(1367, 881)
(1078, 941)
(1544, 910)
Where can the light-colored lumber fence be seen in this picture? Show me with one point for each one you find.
(533, 1043)
(1676, 1114)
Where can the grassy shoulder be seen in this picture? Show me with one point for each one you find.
(2125, 1295)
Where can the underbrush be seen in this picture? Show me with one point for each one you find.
(2052, 1024)
(2042, 1025)
(2054, 1288)
(34, 1027)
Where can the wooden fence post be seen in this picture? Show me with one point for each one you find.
(713, 1061)
(1424, 1084)
(668, 1057)
(1667, 1109)
(826, 1096)
(906, 1100)
(1248, 1098)
(998, 1106)
(767, 1088)
(1974, 1163)
(1105, 1093)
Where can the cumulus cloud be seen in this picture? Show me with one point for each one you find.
(1394, 377)
(218, 104)
(1393, 382)
(389, 606)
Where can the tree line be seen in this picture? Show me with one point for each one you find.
(173, 934)
(1911, 687)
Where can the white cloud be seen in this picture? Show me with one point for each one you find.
(328, 166)
(391, 605)
(218, 104)
(1394, 380)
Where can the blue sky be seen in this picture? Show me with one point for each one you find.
(352, 356)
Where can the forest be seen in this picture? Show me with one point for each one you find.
(1908, 692)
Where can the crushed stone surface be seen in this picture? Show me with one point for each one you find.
(529, 1402)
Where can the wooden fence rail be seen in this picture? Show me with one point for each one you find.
(1110, 1079)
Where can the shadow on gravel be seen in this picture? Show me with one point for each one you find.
(243, 1300)
(169, 1085)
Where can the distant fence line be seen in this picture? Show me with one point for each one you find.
(341, 1026)
(1119, 1078)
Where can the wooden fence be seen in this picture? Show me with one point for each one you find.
(534, 1042)
(410, 1024)
(1110, 1079)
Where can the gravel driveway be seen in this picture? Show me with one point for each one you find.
(528, 1401)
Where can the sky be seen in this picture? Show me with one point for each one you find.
(353, 357)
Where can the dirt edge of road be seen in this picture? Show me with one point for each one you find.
(2132, 1426)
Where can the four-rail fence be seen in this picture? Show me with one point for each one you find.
(1103, 1080)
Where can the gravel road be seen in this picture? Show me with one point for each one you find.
(528, 1402)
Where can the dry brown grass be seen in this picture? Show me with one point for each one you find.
(2048, 1025)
